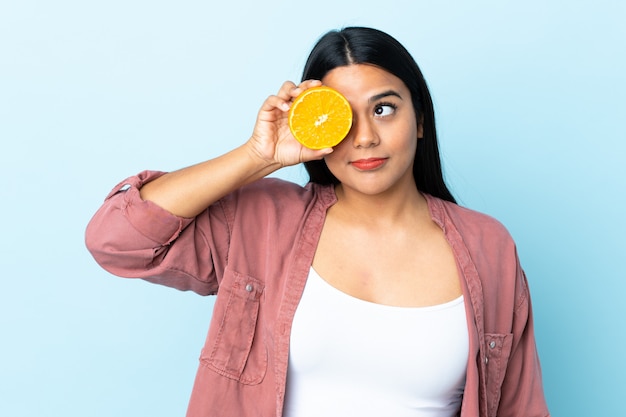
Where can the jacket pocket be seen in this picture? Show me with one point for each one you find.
(498, 350)
(235, 347)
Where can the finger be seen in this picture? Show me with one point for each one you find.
(303, 86)
(309, 84)
(314, 154)
(286, 89)
(275, 102)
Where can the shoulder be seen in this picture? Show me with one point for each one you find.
(469, 223)
(279, 191)
(487, 254)
(273, 187)
(486, 240)
(275, 197)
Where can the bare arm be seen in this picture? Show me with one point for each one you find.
(187, 192)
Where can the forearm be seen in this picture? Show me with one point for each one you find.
(189, 191)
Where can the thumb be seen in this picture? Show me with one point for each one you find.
(314, 154)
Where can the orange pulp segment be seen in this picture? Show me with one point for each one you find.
(320, 117)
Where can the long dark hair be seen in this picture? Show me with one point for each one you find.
(361, 45)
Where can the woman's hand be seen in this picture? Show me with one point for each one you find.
(189, 191)
(271, 139)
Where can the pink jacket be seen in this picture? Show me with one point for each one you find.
(254, 247)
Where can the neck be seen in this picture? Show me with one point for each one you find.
(392, 207)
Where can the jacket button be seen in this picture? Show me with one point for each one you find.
(249, 287)
(486, 361)
(492, 344)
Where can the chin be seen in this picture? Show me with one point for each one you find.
(369, 189)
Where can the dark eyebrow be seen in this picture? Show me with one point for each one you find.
(385, 94)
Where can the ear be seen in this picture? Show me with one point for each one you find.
(420, 127)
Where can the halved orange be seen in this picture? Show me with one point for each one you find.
(320, 117)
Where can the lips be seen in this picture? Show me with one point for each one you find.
(368, 164)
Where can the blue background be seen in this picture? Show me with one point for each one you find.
(530, 104)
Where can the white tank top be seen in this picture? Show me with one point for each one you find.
(350, 357)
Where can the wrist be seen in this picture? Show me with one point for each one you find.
(258, 161)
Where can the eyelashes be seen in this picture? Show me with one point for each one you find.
(384, 109)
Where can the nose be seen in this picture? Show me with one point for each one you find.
(363, 134)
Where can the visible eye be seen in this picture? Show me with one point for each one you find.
(384, 109)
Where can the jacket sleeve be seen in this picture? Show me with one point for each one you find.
(522, 392)
(133, 238)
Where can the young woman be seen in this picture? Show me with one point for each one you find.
(368, 292)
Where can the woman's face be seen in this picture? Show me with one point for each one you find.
(378, 153)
